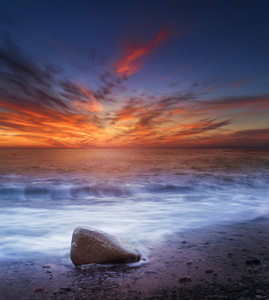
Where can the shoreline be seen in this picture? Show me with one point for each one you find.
(222, 262)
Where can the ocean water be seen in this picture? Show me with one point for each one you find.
(141, 195)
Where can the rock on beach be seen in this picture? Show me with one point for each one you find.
(90, 245)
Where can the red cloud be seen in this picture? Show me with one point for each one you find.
(133, 54)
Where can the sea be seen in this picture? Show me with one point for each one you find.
(142, 195)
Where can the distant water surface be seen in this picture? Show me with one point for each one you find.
(141, 195)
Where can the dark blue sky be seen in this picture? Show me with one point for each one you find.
(134, 73)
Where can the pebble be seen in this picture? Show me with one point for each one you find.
(185, 279)
(67, 289)
(243, 287)
(254, 261)
(260, 292)
(39, 288)
(96, 289)
(151, 272)
(208, 271)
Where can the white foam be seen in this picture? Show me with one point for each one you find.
(143, 223)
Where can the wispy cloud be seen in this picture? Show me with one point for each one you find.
(258, 101)
(133, 54)
(91, 106)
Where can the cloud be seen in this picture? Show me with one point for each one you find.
(40, 107)
(258, 101)
(240, 82)
(93, 106)
(22, 77)
(131, 60)
(108, 84)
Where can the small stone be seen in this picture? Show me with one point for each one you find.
(208, 271)
(96, 289)
(254, 261)
(39, 288)
(67, 289)
(151, 272)
(246, 293)
(90, 245)
(184, 279)
(260, 292)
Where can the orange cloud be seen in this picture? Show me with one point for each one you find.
(176, 111)
(158, 123)
(93, 106)
(23, 126)
(133, 55)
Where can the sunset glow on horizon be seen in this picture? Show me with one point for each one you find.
(65, 86)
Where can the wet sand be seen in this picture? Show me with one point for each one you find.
(224, 262)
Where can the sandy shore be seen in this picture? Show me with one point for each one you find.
(224, 262)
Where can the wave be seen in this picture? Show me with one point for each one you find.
(61, 192)
(82, 188)
(169, 188)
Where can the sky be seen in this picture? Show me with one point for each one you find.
(134, 74)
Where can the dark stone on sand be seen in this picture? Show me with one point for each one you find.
(90, 245)
(208, 271)
(184, 279)
(63, 291)
(39, 288)
(234, 264)
(243, 287)
(254, 261)
(67, 289)
(96, 289)
(151, 272)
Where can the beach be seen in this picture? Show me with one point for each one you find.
(221, 262)
(198, 217)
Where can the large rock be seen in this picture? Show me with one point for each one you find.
(90, 245)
